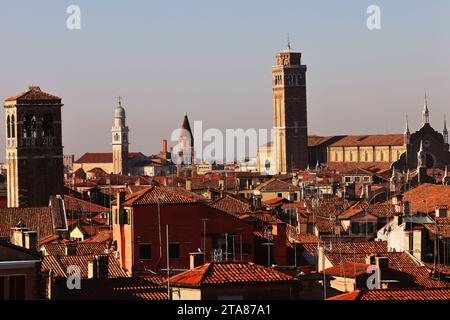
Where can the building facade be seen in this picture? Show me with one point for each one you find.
(34, 151)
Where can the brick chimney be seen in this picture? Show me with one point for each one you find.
(195, 259)
(279, 248)
(164, 146)
(98, 268)
(70, 248)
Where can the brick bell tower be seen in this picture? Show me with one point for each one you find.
(34, 151)
(289, 112)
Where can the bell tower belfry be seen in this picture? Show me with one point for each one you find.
(34, 151)
(120, 140)
(289, 111)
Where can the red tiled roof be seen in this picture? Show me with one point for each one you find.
(344, 167)
(102, 157)
(276, 185)
(73, 204)
(348, 269)
(153, 195)
(81, 248)
(43, 220)
(216, 274)
(396, 294)
(34, 94)
(370, 140)
(314, 140)
(425, 197)
(59, 265)
(232, 205)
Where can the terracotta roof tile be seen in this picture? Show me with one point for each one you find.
(153, 195)
(216, 274)
(232, 205)
(370, 140)
(102, 157)
(59, 265)
(34, 94)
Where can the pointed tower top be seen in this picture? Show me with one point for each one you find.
(407, 126)
(186, 126)
(445, 125)
(426, 112)
(288, 43)
(421, 146)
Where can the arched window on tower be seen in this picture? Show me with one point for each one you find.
(47, 125)
(8, 127)
(13, 127)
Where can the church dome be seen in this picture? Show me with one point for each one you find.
(119, 112)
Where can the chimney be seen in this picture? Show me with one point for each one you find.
(257, 202)
(368, 191)
(70, 248)
(221, 184)
(195, 259)
(383, 264)
(120, 199)
(30, 240)
(98, 268)
(164, 146)
(441, 212)
(18, 238)
(188, 184)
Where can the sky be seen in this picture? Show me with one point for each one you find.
(213, 59)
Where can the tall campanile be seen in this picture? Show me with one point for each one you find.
(289, 112)
(34, 151)
(120, 140)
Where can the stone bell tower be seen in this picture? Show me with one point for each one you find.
(34, 151)
(289, 111)
(120, 140)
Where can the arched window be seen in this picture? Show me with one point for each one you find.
(381, 156)
(366, 156)
(351, 156)
(47, 125)
(13, 127)
(8, 127)
(336, 156)
(29, 126)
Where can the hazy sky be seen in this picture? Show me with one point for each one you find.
(213, 59)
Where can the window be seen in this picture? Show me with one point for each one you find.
(355, 228)
(29, 126)
(17, 288)
(381, 156)
(280, 195)
(370, 227)
(145, 251)
(174, 251)
(366, 156)
(13, 127)
(293, 197)
(47, 125)
(357, 179)
(348, 179)
(336, 156)
(8, 127)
